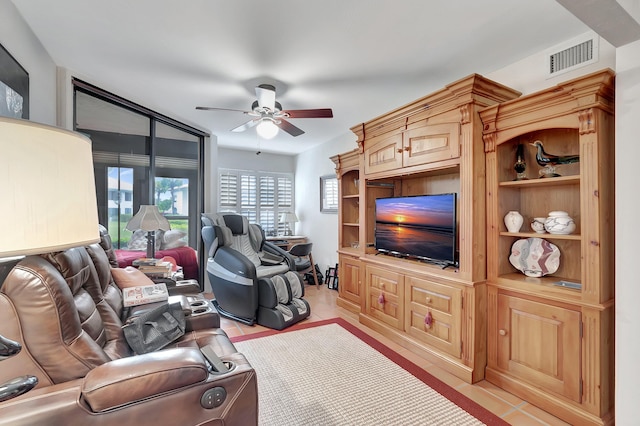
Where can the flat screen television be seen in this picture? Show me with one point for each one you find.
(422, 227)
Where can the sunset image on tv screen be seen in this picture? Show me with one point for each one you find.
(421, 226)
(434, 210)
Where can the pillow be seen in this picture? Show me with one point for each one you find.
(173, 239)
(129, 277)
(138, 240)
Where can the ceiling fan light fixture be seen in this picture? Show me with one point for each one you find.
(267, 129)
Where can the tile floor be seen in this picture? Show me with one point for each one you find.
(509, 407)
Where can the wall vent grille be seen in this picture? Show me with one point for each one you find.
(572, 55)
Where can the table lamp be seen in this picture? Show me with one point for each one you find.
(149, 219)
(48, 204)
(288, 218)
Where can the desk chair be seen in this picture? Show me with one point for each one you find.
(304, 260)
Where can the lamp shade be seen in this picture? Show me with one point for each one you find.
(47, 189)
(288, 217)
(148, 218)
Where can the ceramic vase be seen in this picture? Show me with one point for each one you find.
(513, 221)
(559, 222)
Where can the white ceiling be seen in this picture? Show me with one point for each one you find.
(359, 57)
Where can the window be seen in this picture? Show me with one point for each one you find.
(329, 194)
(140, 157)
(260, 196)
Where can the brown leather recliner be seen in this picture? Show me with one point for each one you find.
(67, 317)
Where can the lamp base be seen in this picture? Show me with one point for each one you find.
(151, 244)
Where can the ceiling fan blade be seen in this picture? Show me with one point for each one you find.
(309, 113)
(249, 124)
(289, 128)
(266, 95)
(220, 109)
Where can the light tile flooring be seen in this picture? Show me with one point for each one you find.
(509, 407)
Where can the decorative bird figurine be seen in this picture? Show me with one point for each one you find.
(548, 161)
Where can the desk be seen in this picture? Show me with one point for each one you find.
(285, 242)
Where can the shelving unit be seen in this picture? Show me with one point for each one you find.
(553, 345)
(349, 189)
(430, 146)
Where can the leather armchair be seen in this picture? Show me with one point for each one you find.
(67, 317)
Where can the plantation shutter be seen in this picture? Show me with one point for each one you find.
(248, 191)
(228, 190)
(285, 192)
(285, 201)
(267, 203)
(260, 196)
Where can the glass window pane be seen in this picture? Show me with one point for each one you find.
(172, 196)
(176, 186)
(119, 203)
(120, 146)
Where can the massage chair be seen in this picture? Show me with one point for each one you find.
(253, 281)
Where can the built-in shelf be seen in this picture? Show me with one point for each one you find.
(545, 235)
(561, 180)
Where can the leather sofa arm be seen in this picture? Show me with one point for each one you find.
(200, 314)
(123, 381)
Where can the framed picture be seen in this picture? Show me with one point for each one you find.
(14, 87)
(329, 194)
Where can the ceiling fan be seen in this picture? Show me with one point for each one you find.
(269, 115)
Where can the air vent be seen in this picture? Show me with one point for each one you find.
(572, 55)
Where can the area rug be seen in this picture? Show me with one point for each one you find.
(331, 373)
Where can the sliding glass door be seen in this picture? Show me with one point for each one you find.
(140, 157)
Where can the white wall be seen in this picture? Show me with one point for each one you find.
(627, 233)
(529, 74)
(249, 160)
(18, 39)
(320, 228)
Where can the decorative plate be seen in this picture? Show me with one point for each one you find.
(535, 257)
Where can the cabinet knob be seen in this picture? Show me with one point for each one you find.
(381, 299)
(407, 148)
(427, 299)
(428, 320)
(399, 150)
(502, 332)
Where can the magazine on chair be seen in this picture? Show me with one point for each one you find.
(140, 295)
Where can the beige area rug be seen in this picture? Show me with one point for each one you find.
(331, 373)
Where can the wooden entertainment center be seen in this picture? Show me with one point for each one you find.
(549, 344)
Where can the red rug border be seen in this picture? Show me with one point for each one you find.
(462, 401)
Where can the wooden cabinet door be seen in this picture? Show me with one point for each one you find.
(349, 284)
(385, 296)
(540, 344)
(383, 153)
(431, 143)
(434, 314)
